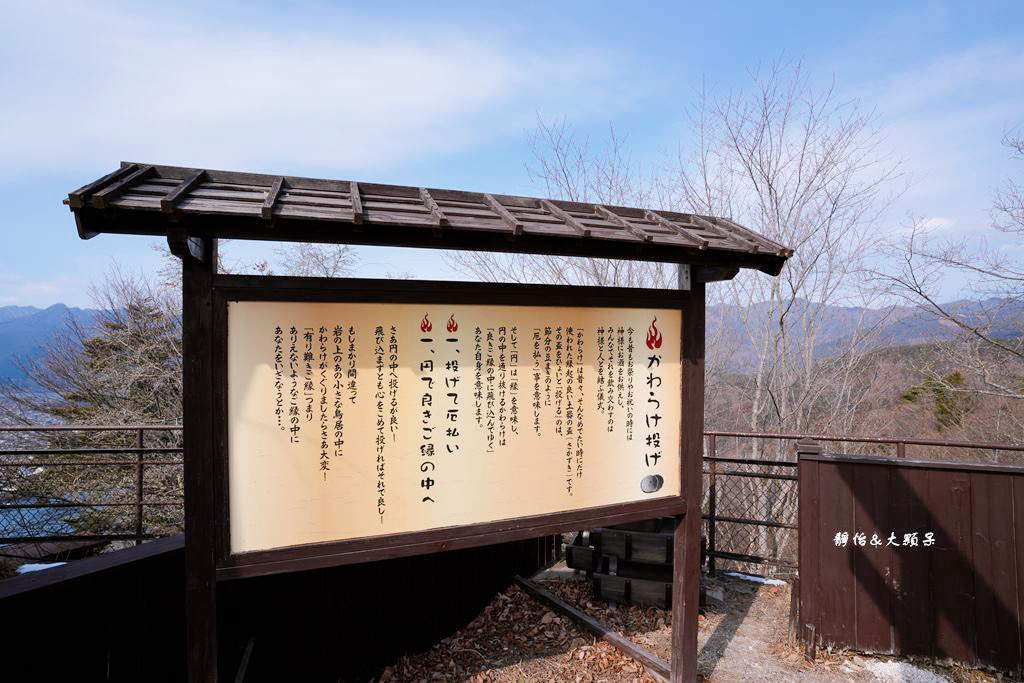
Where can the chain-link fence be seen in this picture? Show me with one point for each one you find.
(750, 506)
(90, 483)
(125, 483)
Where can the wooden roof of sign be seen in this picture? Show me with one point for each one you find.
(142, 199)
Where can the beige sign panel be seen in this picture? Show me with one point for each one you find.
(355, 420)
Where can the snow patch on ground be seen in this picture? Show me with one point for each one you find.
(756, 579)
(902, 672)
(38, 566)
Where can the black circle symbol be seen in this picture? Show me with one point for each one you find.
(651, 483)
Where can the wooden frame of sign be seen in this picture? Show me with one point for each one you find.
(209, 558)
(296, 291)
(193, 207)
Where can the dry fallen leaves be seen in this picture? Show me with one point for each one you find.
(517, 639)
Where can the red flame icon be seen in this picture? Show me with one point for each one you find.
(653, 336)
(425, 325)
(452, 325)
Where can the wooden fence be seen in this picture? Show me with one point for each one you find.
(939, 569)
(750, 489)
(121, 616)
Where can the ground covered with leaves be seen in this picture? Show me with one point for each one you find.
(518, 639)
(742, 637)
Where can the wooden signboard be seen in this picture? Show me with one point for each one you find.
(362, 423)
(258, 502)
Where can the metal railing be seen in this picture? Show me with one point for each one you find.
(751, 505)
(89, 493)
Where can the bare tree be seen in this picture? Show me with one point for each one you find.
(122, 368)
(301, 259)
(570, 167)
(984, 324)
(1008, 209)
(799, 165)
(987, 350)
(566, 166)
(317, 260)
(808, 170)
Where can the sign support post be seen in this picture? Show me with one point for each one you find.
(686, 541)
(199, 264)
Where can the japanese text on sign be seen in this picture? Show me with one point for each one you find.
(349, 420)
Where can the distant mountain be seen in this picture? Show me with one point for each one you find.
(894, 325)
(12, 312)
(25, 332)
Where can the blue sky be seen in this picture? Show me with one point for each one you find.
(446, 95)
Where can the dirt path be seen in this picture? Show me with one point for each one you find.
(745, 639)
(742, 638)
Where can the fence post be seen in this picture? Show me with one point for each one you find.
(807, 447)
(138, 488)
(901, 449)
(712, 451)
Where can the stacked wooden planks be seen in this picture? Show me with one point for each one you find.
(628, 563)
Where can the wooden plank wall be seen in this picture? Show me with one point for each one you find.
(960, 598)
(126, 621)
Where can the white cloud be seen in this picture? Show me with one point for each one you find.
(960, 79)
(17, 290)
(937, 224)
(945, 118)
(93, 83)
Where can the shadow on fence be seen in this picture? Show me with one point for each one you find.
(956, 595)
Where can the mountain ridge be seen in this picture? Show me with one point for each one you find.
(25, 331)
(837, 326)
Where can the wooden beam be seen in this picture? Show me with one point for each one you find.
(267, 210)
(686, 538)
(167, 203)
(684, 276)
(77, 198)
(506, 215)
(243, 666)
(319, 217)
(606, 213)
(357, 203)
(83, 232)
(89, 567)
(186, 248)
(434, 209)
(770, 254)
(708, 225)
(199, 466)
(103, 198)
(666, 223)
(336, 227)
(561, 214)
(654, 664)
(753, 236)
(715, 273)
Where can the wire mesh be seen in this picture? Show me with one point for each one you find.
(756, 508)
(126, 482)
(112, 483)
